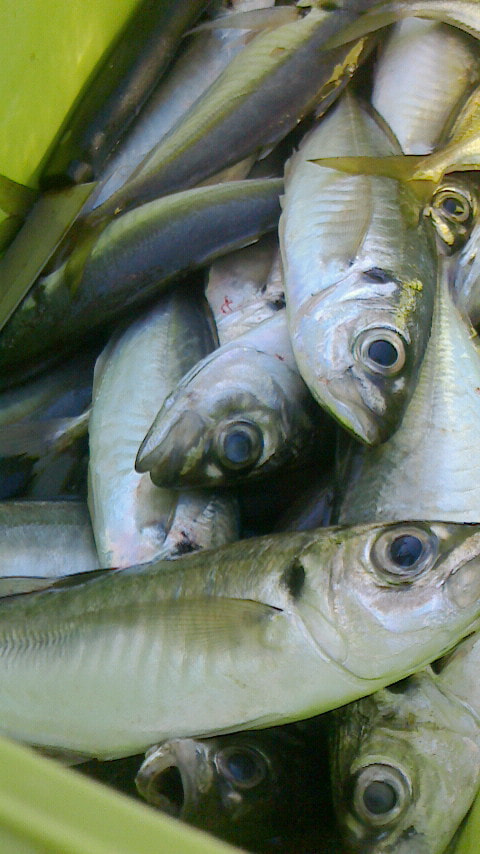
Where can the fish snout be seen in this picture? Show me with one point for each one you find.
(170, 452)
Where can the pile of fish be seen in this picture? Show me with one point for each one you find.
(261, 566)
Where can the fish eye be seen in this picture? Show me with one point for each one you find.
(381, 351)
(242, 766)
(380, 794)
(453, 210)
(239, 445)
(404, 552)
(456, 206)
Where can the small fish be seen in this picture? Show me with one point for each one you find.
(122, 82)
(406, 761)
(247, 787)
(133, 520)
(127, 261)
(281, 76)
(428, 467)
(241, 412)
(253, 634)
(197, 66)
(447, 63)
(359, 272)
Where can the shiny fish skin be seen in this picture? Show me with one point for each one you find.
(240, 413)
(444, 59)
(46, 538)
(427, 730)
(245, 288)
(205, 57)
(357, 257)
(280, 77)
(131, 260)
(428, 467)
(253, 634)
(133, 520)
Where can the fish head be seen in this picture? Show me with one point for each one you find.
(404, 768)
(395, 596)
(453, 210)
(359, 347)
(228, 425)
(236, 786)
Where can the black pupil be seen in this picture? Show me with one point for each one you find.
(406, 550)
(238, 446)
(452, 206)
(383, 353)
(379, 798)
(241, 766)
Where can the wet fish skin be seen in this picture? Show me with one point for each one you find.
(129, 261)
(281, 76)
(246, 787)
(133, 520)
(429, 464)
(122, 83)
(240, 413)
(416, 744)
(351, 289)
(253, 634)
(45, 538)
(202, 60)
(444, 59)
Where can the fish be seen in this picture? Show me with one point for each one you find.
(467, 278)
(252, 634)
(359, 274)
(406, 760)
(204, 57)
(281, 76)
(129, 260)
(447, 63)
(122, 82)
(133, 520)
(239, 413)
(245, 287)
(46, 538)
(428, 466)
(247, 788)
(458, 151)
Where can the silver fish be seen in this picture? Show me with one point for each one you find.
(446, 62)
(246, 787)
(407, 759)
(359, 278)
(241, 412)
(253, 634)
(133, 520)
(46, 538)
(429, 466)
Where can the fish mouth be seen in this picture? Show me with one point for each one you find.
(160, 782)
(164, 452)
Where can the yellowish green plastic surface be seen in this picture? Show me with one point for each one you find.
(48, 809)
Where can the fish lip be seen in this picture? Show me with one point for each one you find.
(352, 415)
(153, 767)
(166, 455)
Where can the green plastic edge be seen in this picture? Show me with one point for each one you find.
(48, 809)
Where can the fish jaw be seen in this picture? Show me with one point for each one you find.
(332, 337)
